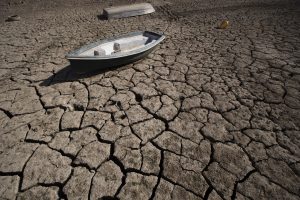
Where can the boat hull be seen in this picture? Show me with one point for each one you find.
(84, 60)
(128, 10)
(84, 65)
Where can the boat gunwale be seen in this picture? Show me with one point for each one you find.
(74, 55)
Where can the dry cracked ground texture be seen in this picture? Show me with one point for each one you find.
(211, 114)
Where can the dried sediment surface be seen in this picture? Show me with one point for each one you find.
(211, 114)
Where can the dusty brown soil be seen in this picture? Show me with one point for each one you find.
(211, 114)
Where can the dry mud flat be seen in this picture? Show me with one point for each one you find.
(211, 114)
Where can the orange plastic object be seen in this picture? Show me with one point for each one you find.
(224, 24)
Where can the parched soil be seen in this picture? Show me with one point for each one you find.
(210, 114)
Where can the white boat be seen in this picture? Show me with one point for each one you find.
(115, 51)
(128, 10)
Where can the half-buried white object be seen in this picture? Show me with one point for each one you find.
(128, 10)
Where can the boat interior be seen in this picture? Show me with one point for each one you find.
(122, 45)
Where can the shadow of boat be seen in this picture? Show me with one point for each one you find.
(102, 17)
(69, 73)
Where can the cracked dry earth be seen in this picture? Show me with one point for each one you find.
(211, 114)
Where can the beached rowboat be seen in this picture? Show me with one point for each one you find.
(114, 52)
(128, 10)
